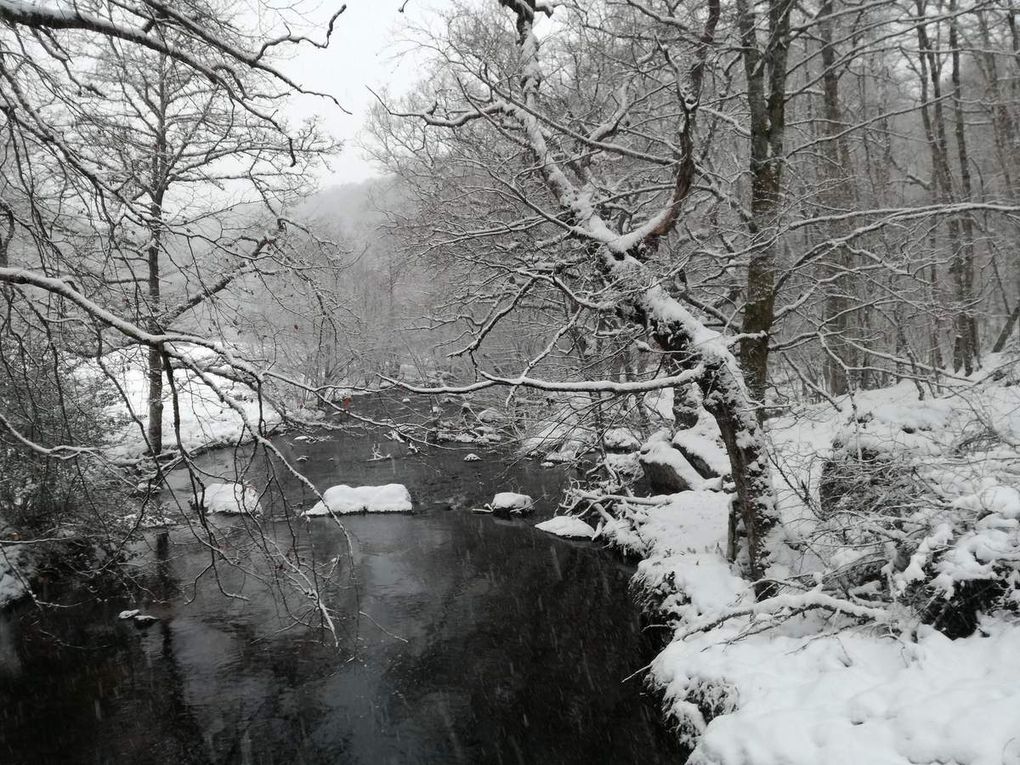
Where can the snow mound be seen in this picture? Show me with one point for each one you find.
(344, 500)
(567, 526)
(626, 465)
(229, 498)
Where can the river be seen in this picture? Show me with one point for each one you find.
(468, 639)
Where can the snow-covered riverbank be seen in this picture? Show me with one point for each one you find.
(206, 416)
(840, 666)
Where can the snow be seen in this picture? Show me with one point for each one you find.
(560, 457)
(567, 526)
(623, 464)
(855, 697)
(344, 500)
(490, 416)
(620, 440)
(230, 498)
(658, 451)
(512, 501)
(681, 542)
(206, 420)
(703, 441)
(14, 568)
(660, 402)
(806, 676)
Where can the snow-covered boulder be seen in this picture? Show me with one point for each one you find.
(512, 503)
(344, 500)
(490, 416)
(229, 498)
(702, 446)
(620, 440)
(560, 457)
(136, 616)
(626, 466)
(668, 471)
(563, 429)
(567, 526)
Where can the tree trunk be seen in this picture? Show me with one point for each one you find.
(157, 191)
(837, 196)
(965, 349)
(942, 181)
(768, 120)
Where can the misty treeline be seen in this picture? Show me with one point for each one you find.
(755, 205)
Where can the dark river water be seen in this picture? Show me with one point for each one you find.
(468, 639)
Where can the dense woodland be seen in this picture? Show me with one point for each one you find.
(730, 220)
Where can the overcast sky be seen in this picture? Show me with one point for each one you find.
(366, 52)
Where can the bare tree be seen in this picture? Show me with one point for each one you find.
(138, 136)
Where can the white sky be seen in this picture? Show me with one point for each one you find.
(366, 52)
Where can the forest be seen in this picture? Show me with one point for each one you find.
(724, 293)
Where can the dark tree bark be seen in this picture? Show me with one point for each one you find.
(765, 70)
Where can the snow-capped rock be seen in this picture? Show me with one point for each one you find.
(231, 498)
(666, 468)
(620, 440)
(512, 503)
(567, 526)
(344, 500)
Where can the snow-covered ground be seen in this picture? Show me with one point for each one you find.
(839, 667)
(206, 418)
